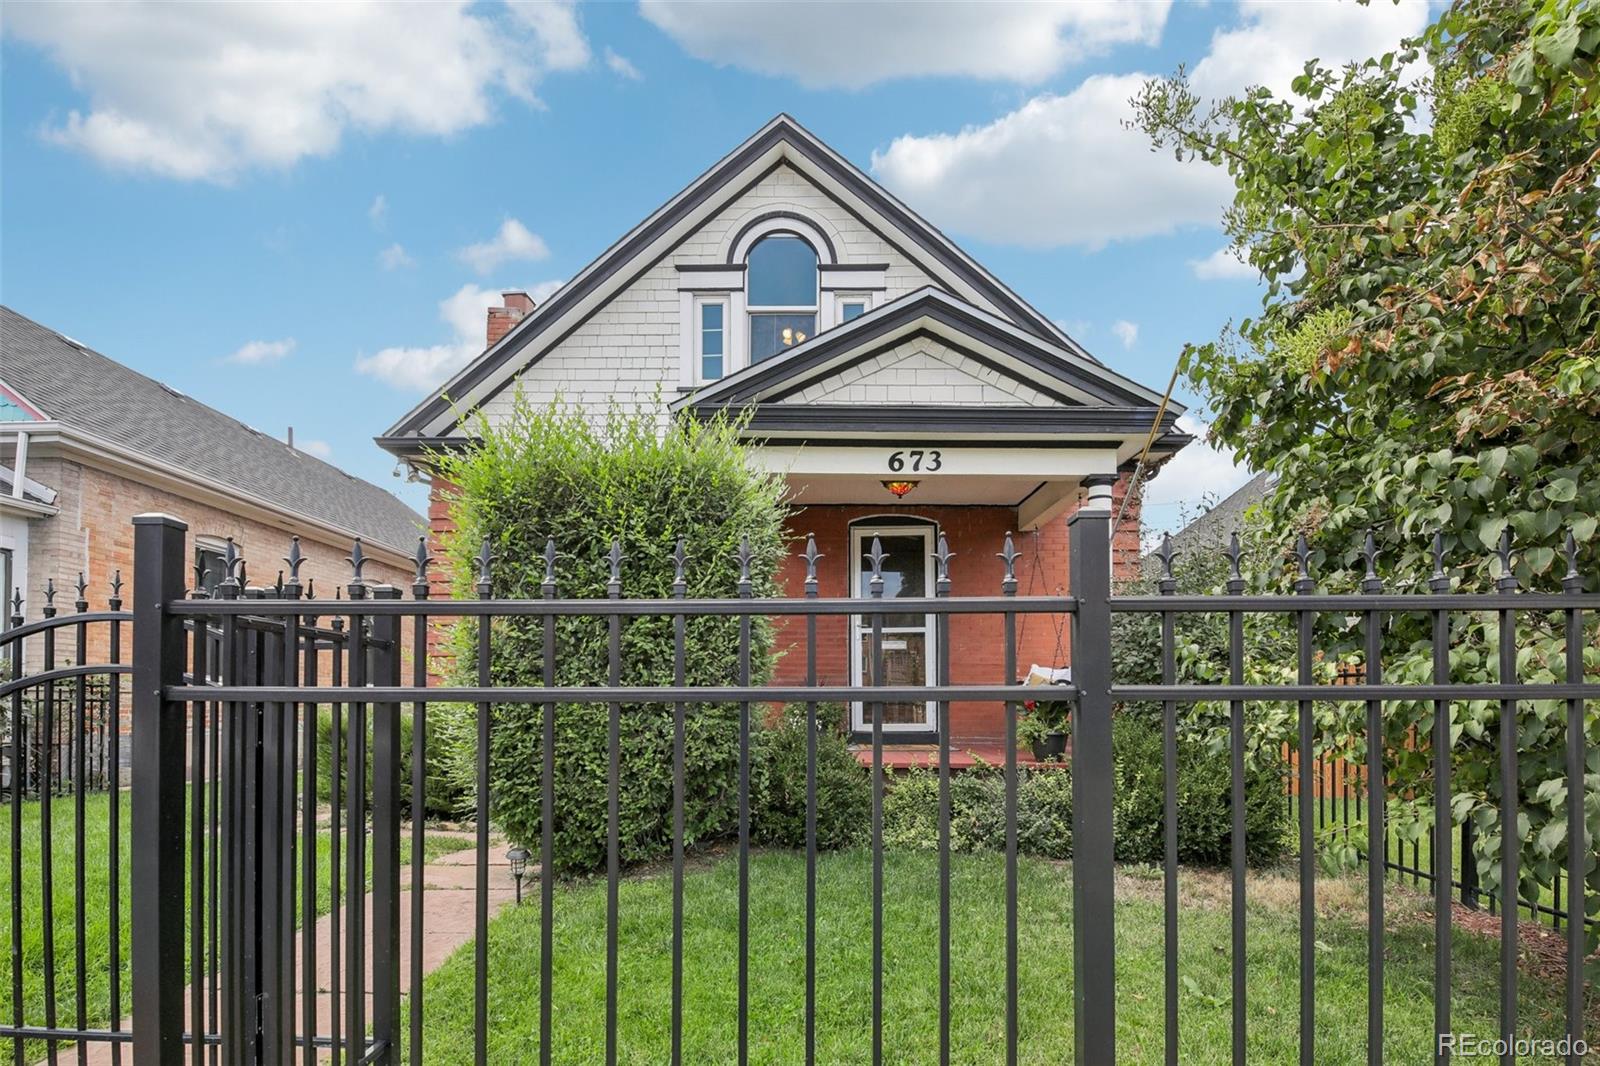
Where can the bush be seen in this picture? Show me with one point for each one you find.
(978, 812)
(1205, 834)
(778, 783)
(645, 481)
(440, 796)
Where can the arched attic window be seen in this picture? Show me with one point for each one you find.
(780, 294)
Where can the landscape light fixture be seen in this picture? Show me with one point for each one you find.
(518, 858)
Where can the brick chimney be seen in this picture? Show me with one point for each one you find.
(517, 305)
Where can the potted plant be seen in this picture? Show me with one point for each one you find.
(1044, 727)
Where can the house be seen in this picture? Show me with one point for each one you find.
(902, 390)
(86, 444)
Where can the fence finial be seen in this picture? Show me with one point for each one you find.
(357, 559)
(1573, 581)
(614, 558)
(1440, 581)
(296, 558)
(550, 555)
(744, 565)
(419, 580)
(50, 598)
(115, 602)
(941, 574)
(199, 578)
(485, 560)
(811, 557)
(1008, 554)
(1302, 553)
(81, 604)
(232, 567)
(16, 605)
(1507, 580)
(277, 588)
(1234, 554)
(1167, 584)
(1371, 582)
(875, 557)
(680, 554)
(311, 588)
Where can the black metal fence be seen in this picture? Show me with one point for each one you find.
(235, 853)
(63, 743)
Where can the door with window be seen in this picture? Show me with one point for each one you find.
(908, 648)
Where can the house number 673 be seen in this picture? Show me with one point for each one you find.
(915, 459)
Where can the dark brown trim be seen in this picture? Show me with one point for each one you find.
(792, 216)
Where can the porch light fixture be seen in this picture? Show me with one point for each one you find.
(900, 488)
(518, 858)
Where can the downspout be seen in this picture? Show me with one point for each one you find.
(19, 470)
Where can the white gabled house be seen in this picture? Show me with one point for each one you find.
(869, 352)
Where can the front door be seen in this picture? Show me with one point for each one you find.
(908, 651)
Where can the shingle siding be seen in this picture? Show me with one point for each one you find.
(921, 370)
(630, 348)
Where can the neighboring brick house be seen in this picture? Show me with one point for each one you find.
(868, 351)
(86, 444)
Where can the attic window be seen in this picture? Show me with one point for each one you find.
(781, 294)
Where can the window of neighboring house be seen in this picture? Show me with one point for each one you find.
(711, 317)
(208, 566)
(781, 294)
(852, 305)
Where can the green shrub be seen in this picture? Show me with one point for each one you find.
(778, 783)
(440, 796)
(1205, 831)
(551, 472)
(978, 812)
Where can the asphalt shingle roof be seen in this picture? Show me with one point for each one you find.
(79, 387)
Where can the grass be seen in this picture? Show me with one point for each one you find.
(96, 909)
(978, 948)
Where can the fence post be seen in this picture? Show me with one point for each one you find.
(158, 792)
(383, 668)
(1093, 936)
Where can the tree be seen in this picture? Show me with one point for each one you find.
(1427, 359)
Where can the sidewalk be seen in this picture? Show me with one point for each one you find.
(447, 923)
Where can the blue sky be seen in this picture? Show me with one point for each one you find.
(297, 213)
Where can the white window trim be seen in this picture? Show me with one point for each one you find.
(839, 299)
(860, 536)
(695, 336)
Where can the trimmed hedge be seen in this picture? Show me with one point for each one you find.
(549, 472)
(778, 783)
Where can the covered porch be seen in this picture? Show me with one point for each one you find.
(927, 419)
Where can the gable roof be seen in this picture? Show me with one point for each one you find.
(85, 391)
(781, 140)
(1034, 360)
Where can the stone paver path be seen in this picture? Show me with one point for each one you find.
(447, 923)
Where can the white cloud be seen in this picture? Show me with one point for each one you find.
(395, 256)
(465, 311)
(258, 353)
(205, 91)
(378, 213)
(621, 67)
(1060, 170)
(834, 44)
(1063, 170)
(1199, 475)
(1223, 264)
(1273, 40)
(1125, 331)
(512, 243)
(319, 448)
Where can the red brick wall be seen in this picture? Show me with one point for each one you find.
(440, 527)
(977, 645)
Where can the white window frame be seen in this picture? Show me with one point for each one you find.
(860, 537)
(842, 298)
(697, 338)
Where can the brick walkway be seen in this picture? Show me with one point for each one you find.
(447, 924)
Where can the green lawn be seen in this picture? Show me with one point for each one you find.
(911, 960)
(97, 936)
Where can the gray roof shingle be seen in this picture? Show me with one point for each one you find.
(83, 389)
